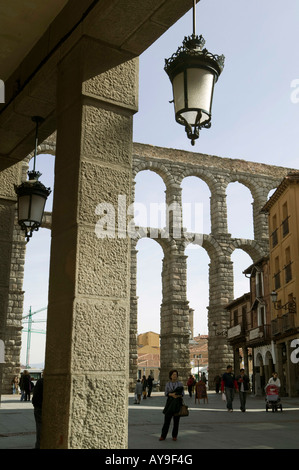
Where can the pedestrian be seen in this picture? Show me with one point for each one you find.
(194, 383)
(217, 382)
(25, 386)
(201, 391)
(174, 391)
(228, 385)
(274, 380)
(149, 385)
(243, 385)
(203, 377)
(190, 385)
(37, 402)
(138, 391)
(144, 386)
(15, 385)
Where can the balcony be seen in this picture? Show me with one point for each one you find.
(282, 325)
(260, 333)
(276, 326)
(285, 226)
(288, 321)
(235, 333)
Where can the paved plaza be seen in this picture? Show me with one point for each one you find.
(208, 426)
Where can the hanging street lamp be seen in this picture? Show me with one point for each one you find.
(193, 72)
(32, 196)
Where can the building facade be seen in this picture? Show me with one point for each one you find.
(199, 356)
(265, 320)
(283, 216)
(148, 345)
(238, 311)
(259, 337)
(250, 332)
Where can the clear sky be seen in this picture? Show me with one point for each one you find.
(255, 117)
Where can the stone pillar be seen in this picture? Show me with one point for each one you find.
(174, 214)
(174, 352)
(12, 255)
(174, 316)
(221, 284)
(245, 359)
(133, 319)
(218, 211)
(221, 293)
(87, 349)
(260, 221)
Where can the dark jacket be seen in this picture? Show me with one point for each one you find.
(228, 381)
(25, 383)
(37, 398)
(245, 382)
(173, 406)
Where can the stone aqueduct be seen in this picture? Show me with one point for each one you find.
(173, 166)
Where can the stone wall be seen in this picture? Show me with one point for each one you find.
(12, 255)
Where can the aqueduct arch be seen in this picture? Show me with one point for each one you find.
(173, 166)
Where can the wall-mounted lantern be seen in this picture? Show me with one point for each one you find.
(32, 196)
(193, 72)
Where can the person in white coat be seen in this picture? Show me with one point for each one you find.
(138, 391)
(274, 380)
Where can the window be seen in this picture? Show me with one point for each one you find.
(261, 315)
(259, 284)
(288, 265)
(244, 312)
(285, 221)
(274, 236)
(277, 274)
(235, 317)
(277, 281)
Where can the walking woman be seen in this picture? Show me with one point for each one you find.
(174, 391)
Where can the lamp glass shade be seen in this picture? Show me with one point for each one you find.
(37, 208)
(31, 209)
(192, 93)
(23, 207)
(32, 196)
